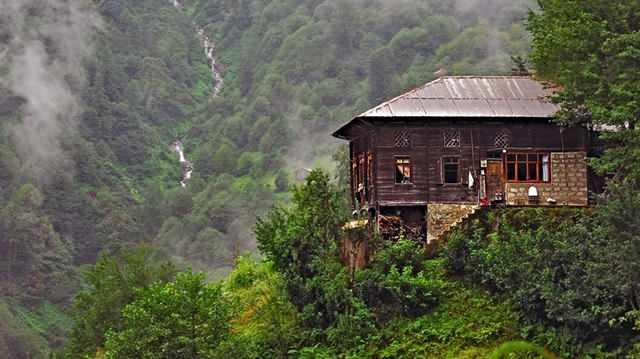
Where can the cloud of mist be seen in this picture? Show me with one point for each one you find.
(42, 56)
(313, 144)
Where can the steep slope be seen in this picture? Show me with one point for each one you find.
(291, 70)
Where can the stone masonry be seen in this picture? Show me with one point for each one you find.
(567, 186)
(441, 217)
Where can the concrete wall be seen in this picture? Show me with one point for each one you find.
(568, 185)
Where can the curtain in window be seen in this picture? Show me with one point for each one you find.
(545, 168)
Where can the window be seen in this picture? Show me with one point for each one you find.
(450, 169)
(361, 173)
(451, 138)
(494, 155)
(527, 167)
(502, 139)
(401, 139)
(354, 175)
(369, 168)
(403, 170)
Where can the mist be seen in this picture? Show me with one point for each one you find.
(42, 51)
(313, 145)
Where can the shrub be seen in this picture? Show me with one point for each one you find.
(509, 349)
(395, 283)
(186, 318)
(566, 268)
(112, 283)
(301, 242)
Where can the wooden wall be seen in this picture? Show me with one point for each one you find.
(426, 150)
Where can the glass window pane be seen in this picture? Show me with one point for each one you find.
(522, 171)
(533, 172)
(399, 175)
(406, 171)
(451, 173)
(403, 170)
(511, 171)
(540, 171)
(532, 158)
(511, 157)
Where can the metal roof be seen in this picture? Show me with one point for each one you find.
(469, 96)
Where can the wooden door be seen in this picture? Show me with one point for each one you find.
(495, 180)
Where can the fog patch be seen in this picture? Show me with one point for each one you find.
(43, 47)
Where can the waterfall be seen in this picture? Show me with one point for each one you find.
(210, 51)
(187, 166)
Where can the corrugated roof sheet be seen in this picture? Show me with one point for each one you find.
(470, 96)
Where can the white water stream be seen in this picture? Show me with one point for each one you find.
(210, 52)
(187, 166)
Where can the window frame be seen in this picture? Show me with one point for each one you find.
(539, 163)
(443, 169)
(369, 160)
(449, 135)
(397, 158)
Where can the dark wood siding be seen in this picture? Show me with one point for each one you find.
(427, 150)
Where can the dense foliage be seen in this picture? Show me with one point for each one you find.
(112, 284)
(302, 242)
(185, 319)
(590, 48)
(403, 305)
(574, 271)
(292, 71)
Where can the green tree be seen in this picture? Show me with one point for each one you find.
(186, 318)
(33, 257)
(591, 49)
(566, 269)
(301, 242)
(112, 283)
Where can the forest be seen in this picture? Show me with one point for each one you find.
(105, 255)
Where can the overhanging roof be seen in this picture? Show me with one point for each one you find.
(482, 97)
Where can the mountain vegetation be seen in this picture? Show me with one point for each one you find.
(102, 250)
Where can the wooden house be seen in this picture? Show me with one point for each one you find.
(431, 157)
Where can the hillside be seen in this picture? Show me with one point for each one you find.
(95, 95)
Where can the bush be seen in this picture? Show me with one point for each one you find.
(509, 349)
(265, 321)
(186, 318)
(395, 283)
(301, 242)
(396, 293)
(113, 283)
(568, 269)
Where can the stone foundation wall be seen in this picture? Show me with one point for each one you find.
(442, 216)
(568, 185)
